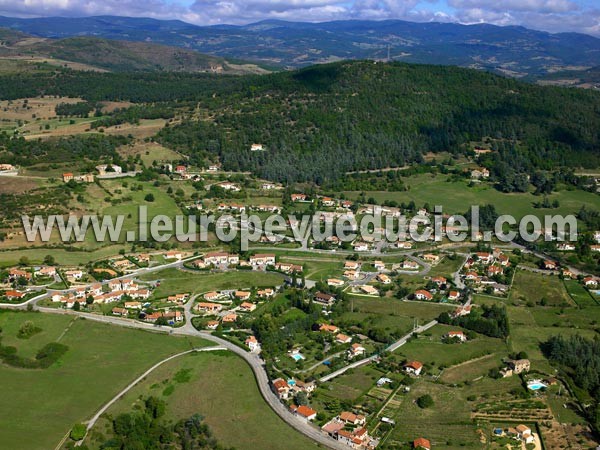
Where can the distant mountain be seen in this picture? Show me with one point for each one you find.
(514, 51)
(114, 55)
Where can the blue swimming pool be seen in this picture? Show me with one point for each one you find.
(536, 386)
(297, 356)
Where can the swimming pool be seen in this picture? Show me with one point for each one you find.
(298, 356)
(536, 386)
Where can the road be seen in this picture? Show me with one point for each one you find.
(253, 360)
(102, 410)
(395, 346)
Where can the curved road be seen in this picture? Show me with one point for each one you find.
(255, 362)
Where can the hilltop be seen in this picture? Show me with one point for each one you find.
(511, 50)
(115, 55)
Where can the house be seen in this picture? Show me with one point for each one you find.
(153, 317)
(247, 307)
(462, 311)
(74, 274)
(360, 246)
(494, 270)
(103, 169)
(484, 257)
(306, 387)
(252, 343)
(383, 278)
(595, 248)
(379, 265)
(281, 388)
(212, 324)
(404, 245)
(288, 268)
(133, 305)
(456, 335)
(47, 271)
(430, 257)
(343, 339)
(413, 367)
(524, 433)
(478, 174)
(210, 308)
(516, 367)
(439, 280)
(181, 170)
(590, 281)
(267, 259)
(213, 168)
(410, 265)
(471, 276)
(329, 328)
(352, 274)
(304, 412)
(453, 295)
(7, 167)
(256, 148)
(369, 290)
(211, 296)
(14, 295)
(265, 293)
(229, 186)
(567, 273)
(352, 419)
(15, 274)
(298, 197)
(328, 201)
(68, 176)
(565, 247)
(242, 295)
(422, 443)
(324, 298)
(352, 265)
(332, 427)
(177, 298)
(504, 260)
(356, 350)
(334, 282)
(175, 254)
(230, 318)
(549, 265)
(120, 312)
(173, 316)
(422, 294)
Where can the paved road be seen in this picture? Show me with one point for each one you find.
(395, 346)
(253, 360)
(102, 410)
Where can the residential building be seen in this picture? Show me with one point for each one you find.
(422, 294)
(304, 412)
(413, 367)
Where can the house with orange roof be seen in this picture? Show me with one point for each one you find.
(252, 343)
(230, 318)
(281, 388)
(304, 412)
(329, 328)
(422, 294)
(247, 307)
(422, 444)
(413, 367)
(456, 335)
(208, 308)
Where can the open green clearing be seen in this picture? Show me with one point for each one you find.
(220, 387)
(530, 287)
(456, 197)
(175, 281)
(40, 406)
(578, 293)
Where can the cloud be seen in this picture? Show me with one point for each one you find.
(541, 6)
(548, 15)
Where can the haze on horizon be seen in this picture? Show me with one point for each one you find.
(554, 16)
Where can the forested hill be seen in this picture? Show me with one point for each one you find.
(320, 122)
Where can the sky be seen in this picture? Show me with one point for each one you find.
(549, 15)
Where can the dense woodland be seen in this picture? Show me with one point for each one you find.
(321, 122)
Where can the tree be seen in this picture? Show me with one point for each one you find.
(49, 259)
(78, 432)
(76, 306)
(425, 401)
(24, 261)
(149, 197)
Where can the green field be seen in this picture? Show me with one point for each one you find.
(175, 281)
(456, 197)
(40, 406)
(222, 389)
(579, 294)
(529, 287)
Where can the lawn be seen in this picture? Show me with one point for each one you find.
(39, 406)
(529, 287)
(579, 294)
(222, 389)
(434, 189)
(431, 351)
(174, 281)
